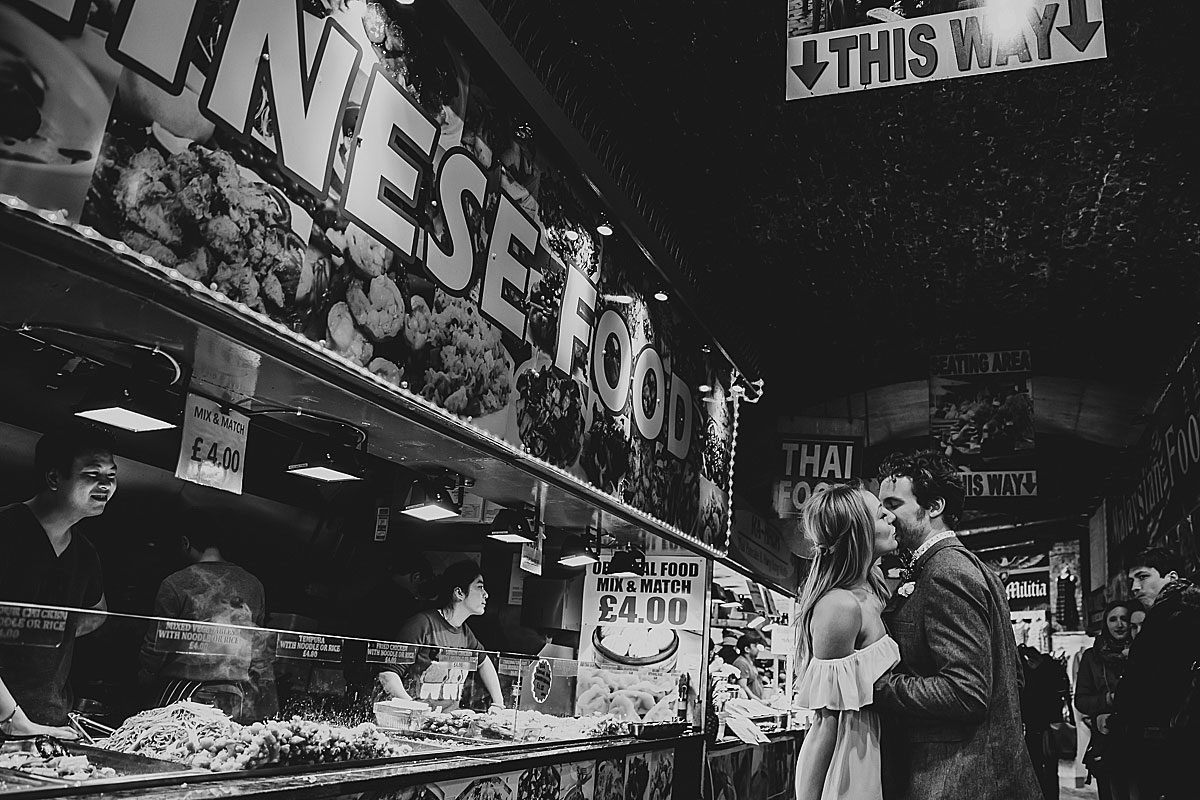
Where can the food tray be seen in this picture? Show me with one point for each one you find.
(128, 767)
(12, 780)
(658, 730)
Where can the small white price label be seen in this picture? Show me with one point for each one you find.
(212, 448)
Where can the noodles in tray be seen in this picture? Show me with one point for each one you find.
(166, 732)
(202, 737)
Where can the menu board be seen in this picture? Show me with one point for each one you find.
(32, 625)
(343, 170)
(637, 634)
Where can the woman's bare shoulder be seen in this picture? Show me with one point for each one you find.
(836, 620)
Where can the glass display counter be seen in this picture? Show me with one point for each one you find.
(201, 708)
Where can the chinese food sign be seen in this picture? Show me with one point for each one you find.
(347, 170)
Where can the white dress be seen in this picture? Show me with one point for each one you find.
(847, 685)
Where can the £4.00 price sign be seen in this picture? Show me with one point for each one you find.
(653, 610)
(213, 445)
(672, 592)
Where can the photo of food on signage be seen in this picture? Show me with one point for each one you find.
(56, 104)
(467, 268)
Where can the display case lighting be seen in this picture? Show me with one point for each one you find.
(512, 526)
(662, 296)
(329, 465)
(604, 228)
(429, 498)
(577, 553)
(210, 291)
(628, 562)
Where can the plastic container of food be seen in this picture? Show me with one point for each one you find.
(666, 647)
(405, 715)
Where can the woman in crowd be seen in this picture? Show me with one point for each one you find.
(1100, 667)
(843, 647)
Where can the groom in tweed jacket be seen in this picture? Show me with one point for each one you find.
(951, 710)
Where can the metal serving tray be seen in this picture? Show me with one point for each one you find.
(128, 767)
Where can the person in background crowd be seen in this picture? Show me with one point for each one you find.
(461, 595)
(1136, 617)
(394, 599)
(1043, 697)
(951, 710)
(1100, 667)
(728, 651)
(1157, 708)
(749, 681)
(46, 561)
(235, 677)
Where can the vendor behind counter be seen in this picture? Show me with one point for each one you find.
(461, 594)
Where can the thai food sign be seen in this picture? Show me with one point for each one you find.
(343, 168)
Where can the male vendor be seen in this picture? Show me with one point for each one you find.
(47, 562)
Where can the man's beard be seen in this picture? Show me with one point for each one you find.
(911, 536)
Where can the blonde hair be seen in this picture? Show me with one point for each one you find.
(839, 525)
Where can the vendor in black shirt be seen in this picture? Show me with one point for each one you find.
(46, 562)
(461, 595)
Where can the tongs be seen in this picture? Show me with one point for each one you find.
(81, 723)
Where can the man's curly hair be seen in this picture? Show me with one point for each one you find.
(933, 475)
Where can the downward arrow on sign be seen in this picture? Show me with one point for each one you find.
(1080, 32)
(809, 69)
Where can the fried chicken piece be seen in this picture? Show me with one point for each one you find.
(195, 199)
(272, 291)
(368, 253)
(417, 322)
(150, 246)
(380, 310)
(196, 266)
(386, 370)
(226, 239)
(344, 338)
(145, 200)
(237, 282)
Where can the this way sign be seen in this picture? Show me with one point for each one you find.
(998, 36)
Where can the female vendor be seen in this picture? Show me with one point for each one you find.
(460, 595)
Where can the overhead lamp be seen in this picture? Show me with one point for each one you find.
(576, 553)
(729, 600)
(661, 296)
(629, 562)
(706, 348)
(429, 499)
(604, 229)
(618, 299)
(571, 234)
(704, 388)
(328, 464)
(756, 622)
(121, 407)
(512, 527)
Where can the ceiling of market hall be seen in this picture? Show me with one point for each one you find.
(839, 241)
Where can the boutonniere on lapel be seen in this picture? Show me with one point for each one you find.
(908, 580)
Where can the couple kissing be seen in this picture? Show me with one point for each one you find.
(915, 695)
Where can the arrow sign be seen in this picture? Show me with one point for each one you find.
(1080, 32)
(809, 69)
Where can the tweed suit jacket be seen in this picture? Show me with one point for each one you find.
(951, 710)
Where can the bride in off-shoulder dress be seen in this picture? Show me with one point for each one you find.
(843, 646)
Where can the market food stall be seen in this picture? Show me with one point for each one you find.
(328, 305)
